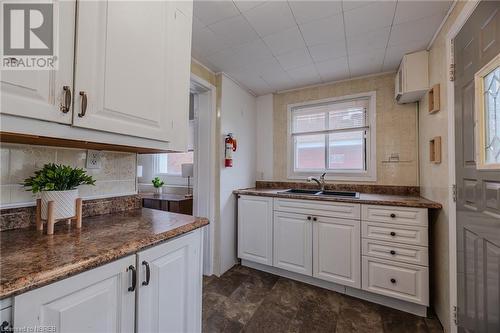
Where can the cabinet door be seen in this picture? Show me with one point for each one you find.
(292, 242)
(255, 229)
(126, 53)
(39, 94)
(336, 252)
(94, 301)
(171, 300)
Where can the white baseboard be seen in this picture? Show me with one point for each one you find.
(416, 309)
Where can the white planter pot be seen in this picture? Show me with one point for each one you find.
(158, 191)
(64, 203)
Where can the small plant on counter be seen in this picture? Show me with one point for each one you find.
(58, 183)
(157, 183)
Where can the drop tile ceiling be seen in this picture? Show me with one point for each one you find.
(269, 46)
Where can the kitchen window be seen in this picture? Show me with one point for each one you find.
(336, 136)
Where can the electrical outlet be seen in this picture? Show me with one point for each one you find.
(93, 159)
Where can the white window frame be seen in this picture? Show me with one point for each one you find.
(370, 174)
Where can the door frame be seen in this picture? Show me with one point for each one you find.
(452, 207)
(206, 143)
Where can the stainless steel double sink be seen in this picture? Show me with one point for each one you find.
(340, 194)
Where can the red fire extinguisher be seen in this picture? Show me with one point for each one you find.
(229, 147)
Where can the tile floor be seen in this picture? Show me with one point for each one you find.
(247, 300)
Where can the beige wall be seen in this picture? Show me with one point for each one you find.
(202, 72)
(396, 127)
(115, 177)
(434, 177)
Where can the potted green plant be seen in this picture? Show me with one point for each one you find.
(158, 183)
(58, 183)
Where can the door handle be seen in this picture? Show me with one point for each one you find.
(134, 278)
(83, 106)
(148, 273)
(67, 100)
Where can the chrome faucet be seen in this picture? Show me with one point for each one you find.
(320, 181)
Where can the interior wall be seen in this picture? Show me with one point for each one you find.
(396, 127)
(434, 183)
(237, 116)
(265, 149)
(18, 162)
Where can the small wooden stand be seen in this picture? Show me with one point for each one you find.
(50, 216)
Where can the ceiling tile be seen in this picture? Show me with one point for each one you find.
(285, 41)
(244, 5)
(415, 31)
(322, 52)
(306, 11)
(253, 52)
(234, 31)
(333, 70)
(294, 59)
(412, 10)
(278, 79)
(223, 59)
(306, 75)
(367, 18)
(366, 42)
(210, 12)
(352, 4)
(271, 17)
(251, 81)
(206, 42)
(366, 63)
(323, 31)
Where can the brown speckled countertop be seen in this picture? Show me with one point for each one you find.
(364, 198)
(30, 259)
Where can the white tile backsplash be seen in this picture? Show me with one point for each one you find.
(117, 175)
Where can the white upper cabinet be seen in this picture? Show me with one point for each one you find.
(412, 78)
(132, 69)
(129, 84)
(40, 94)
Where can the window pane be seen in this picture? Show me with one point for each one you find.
(346, 150)
(348, 118)
(492, 115)
(305, 121)
(310, 152)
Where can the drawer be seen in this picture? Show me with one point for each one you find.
(396, 215)
(410, 254)
(319, 208)
(406, 234)
(402, 281)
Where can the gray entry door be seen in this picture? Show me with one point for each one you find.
(478, 191)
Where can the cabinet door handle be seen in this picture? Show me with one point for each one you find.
(393, 281)
(393, 252)
(83, 106)
(315, 218)
(309, 218)
(393, 215)
(134, 278)
(148, 273)
(393, 233)
(67, 100)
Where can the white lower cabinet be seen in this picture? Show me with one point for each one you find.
(255, 229)
(379, 249)
(169, 295)
(293, 242)
(336, 251)
(105, 299)
(98, 300)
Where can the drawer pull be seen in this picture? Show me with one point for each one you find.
(393, 215)
(393, 233)
(315, 218)
(393, 281)
(393, 252)
(309, 218)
